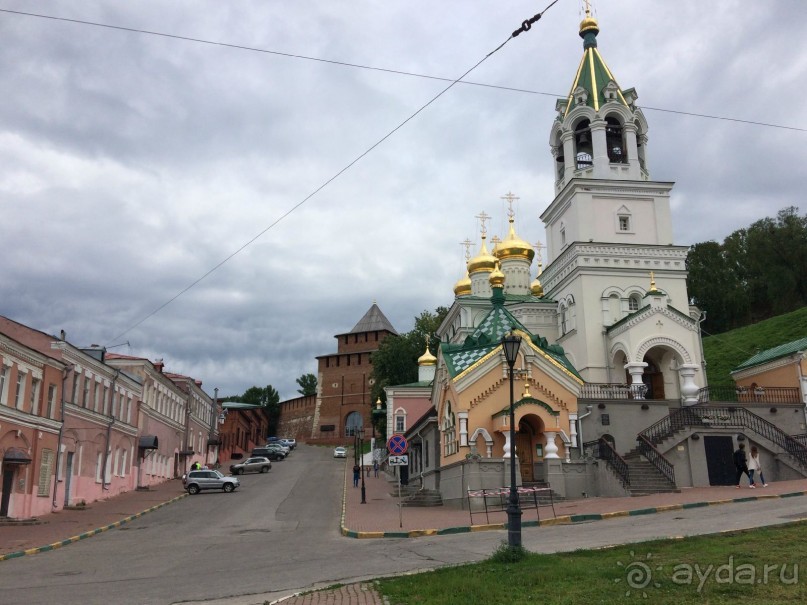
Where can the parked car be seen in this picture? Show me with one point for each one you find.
(196, 481)
(259, 464)
(340, 452)
(271, 452)
(289, 443)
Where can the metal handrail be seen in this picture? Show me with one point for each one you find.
(614, 461)
(656, 458)
(742, 394)
(728, 417)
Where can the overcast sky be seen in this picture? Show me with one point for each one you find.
(132, 164)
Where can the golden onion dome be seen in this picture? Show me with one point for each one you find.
(514, 247)
(427, 359)
(483, 262)
(496, 277)
(536, 288)
(463, 286)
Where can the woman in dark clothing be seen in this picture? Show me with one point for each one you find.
(741, 464)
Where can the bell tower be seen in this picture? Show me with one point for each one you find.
(607, 229)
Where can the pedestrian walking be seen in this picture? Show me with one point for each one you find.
(741, 464)
(375, 468)
(356, 471)
(755, 466)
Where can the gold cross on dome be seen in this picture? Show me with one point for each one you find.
(483, 218)
(467, 243)
(510, 197)
(587, 5)
(538, 245)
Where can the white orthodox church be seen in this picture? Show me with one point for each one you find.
(609, 374)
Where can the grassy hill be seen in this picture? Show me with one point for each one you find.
(724, 352)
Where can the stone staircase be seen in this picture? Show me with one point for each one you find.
(414, 496)
(544, 498)
(646, 478)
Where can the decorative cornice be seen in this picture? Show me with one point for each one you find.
(773, 364)
(29, 420)
(646, 313)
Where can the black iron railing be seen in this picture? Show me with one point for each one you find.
(646, 449)
(749, 395)
(604, 450)
(801, 438)
(724, 417)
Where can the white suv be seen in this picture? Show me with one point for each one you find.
(196, 481)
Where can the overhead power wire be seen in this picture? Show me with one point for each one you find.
(381, 69)
(337, 175)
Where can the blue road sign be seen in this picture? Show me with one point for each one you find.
(397, 445)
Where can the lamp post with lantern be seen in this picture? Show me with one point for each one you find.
(510, 344)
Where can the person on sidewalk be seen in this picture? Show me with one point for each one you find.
(741, 464)
(755, 466)
(375, 468)
(356, 471)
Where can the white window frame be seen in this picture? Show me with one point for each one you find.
(4, 373)
(22, 379)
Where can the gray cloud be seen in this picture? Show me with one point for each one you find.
(130, 164)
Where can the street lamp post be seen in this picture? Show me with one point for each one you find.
(510, 344)
(361, 465)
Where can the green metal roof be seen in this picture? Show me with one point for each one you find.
(488, 336)
(774, 353)
(593, 75)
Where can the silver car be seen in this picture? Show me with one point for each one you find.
(257, 464)
(196, 481)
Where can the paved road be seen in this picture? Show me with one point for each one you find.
(278, 534)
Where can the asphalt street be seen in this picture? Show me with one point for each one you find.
(278, 534)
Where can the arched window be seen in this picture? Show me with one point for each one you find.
(614, 141)
(583, 151)
(633, 303)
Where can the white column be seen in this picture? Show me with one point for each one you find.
(569, 159)
(629, 131)
(573, 430)
(506, 444)
(689, 390)
(637, 387)
(551, 449)
(600, 150)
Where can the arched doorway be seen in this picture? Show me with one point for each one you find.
(529, 446)
(353, 422)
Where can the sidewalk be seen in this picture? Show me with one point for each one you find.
(67, 526)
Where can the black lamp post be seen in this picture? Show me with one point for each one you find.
(361, 465)
(510, 344)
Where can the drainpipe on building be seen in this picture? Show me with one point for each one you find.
(105, 482)
(213, 419)
(188, 429)
(580, 429)
(59, 462)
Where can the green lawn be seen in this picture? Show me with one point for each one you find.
(763, 566)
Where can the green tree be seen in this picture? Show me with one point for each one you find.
(396, 361)
(307, 384)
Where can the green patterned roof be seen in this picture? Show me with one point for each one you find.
(774, 353)
(487, 338)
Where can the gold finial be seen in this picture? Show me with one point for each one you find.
(653, 282)
(483, 218)
(526, 391)
(587, 4)
(495, 240)
(378, 403)
(509, 197)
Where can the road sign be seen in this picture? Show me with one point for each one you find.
(398, 460)
(397, 445)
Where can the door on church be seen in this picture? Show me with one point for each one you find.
(524, 453)
(654, 380)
